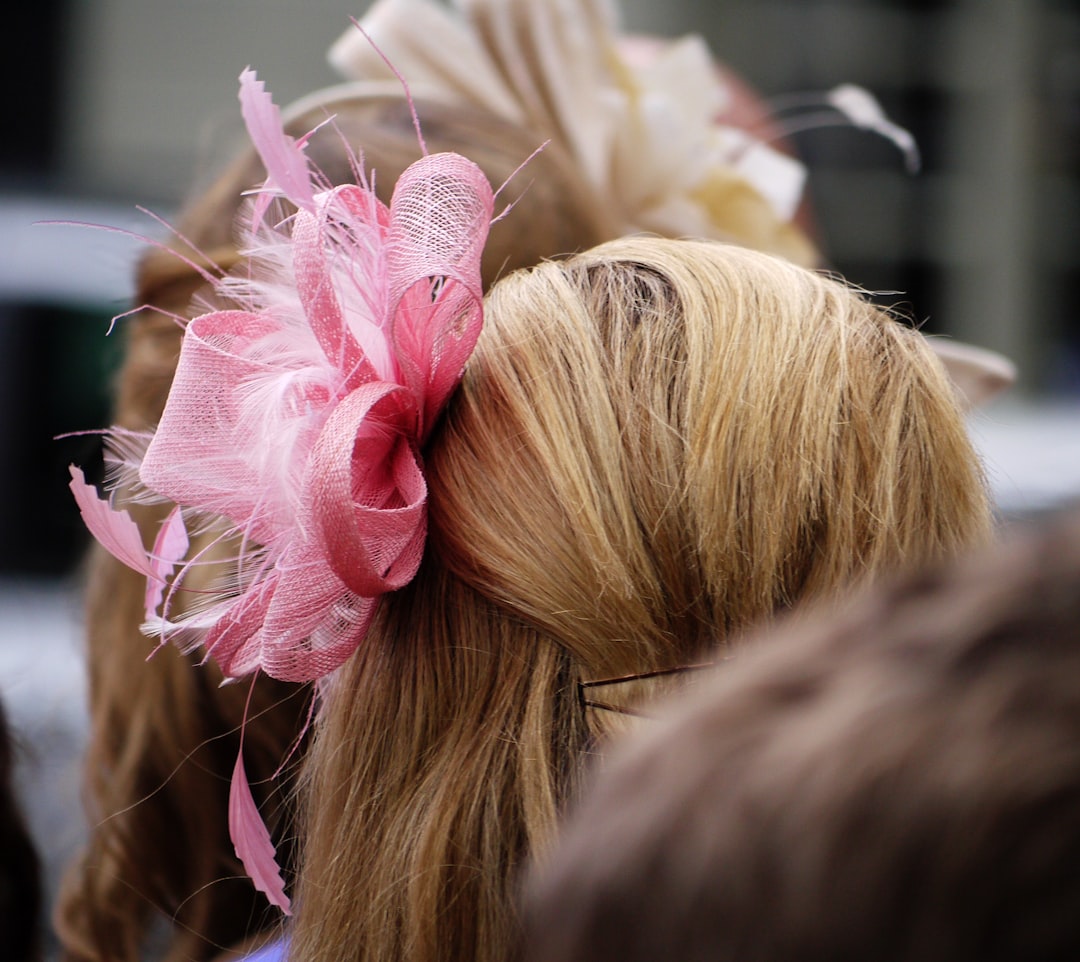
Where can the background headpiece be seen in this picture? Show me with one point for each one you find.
(643, 131)
(644, 121)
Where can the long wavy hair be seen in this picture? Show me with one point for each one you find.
(158, 861)
(656, 444)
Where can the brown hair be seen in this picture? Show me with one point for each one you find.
(655, 444)
(163, 732)
(897, 782)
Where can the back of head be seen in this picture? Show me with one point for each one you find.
(713, 432)
(655, 443)
(900, 782)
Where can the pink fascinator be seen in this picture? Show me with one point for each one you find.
(297, 417)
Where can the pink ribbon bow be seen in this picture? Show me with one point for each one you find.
(299, 417)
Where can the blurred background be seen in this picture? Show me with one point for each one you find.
(124, 102)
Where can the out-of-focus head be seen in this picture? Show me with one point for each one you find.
(899, 780)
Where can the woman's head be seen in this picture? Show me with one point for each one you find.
(555, 213)
(655, 443)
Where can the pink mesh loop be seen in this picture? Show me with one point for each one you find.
(200, 421)
(326, 648)
(439, 217)
(436, 325)
(229, 641)
(304, 635)
(368, 492)
(315, 287)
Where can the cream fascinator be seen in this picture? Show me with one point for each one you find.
(644, 121)
(642, 131)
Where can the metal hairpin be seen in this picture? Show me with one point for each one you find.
(587, 702)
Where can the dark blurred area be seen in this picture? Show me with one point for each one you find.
(54, 367)
(33, 67)
(133, 101)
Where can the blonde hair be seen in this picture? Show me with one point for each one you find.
(655, 444)
(163, 732)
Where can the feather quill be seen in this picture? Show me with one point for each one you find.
(113, 529)
(170, 546)
(285, 162)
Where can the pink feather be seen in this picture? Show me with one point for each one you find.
(170, 546)
(251, 840)
(299, 416)
(286, 164)
(113, 529)
(119, 535)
